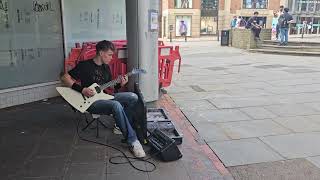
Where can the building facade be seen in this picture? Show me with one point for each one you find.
(307, 11)
(180, 13)
(208, 19)
(246, 8)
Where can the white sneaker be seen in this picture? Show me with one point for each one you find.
(116, 130)
(137, 149)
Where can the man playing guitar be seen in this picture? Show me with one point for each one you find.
(97, 70)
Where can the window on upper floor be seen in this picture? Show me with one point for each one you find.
(255, 4)
(183, 4)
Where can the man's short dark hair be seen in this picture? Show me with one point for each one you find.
(256, 13)
(286, 9)
(104, 46)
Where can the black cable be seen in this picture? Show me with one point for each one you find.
(129, 160)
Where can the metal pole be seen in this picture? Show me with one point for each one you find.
(217, 30)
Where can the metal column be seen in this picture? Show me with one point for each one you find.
(143, 45)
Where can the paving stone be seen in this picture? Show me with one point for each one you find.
(314, 105)
(215, 116)
(177, 173)
(291, 110)
(271, 66)
(258, 112)
(300, 123)
(216, 68)
(44, 167)
(248, 129)
(295, 169)
(244, 151)
(295, 71)
(86, 171)
(211, 132)
(308, 88)
(295, 145)
(247, 92)
(194, 105)
(45, 149)
(315, 160)
(223, 103)
(87, 155)
(199, 95)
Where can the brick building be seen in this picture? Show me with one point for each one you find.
(245, 8)
(175, 11)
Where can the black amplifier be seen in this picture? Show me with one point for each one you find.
(165, 146)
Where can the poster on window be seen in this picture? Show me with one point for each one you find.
(184, 4)
(183, 25)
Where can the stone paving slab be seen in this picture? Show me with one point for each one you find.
(300, 123)
(215, 116)
(214, 132)
(291, 110)
(296, 169)
(250, 129)
(241, 102)
(300, 145)
(194, 105)
(244, 151)
(315, 160)
(258, 113)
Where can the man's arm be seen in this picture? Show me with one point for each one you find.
(67, 80)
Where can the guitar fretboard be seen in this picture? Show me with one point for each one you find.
(113, 82)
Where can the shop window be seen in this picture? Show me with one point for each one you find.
(183, 4)
(255, 4)
(31, 48)
(304, 6)
(183, 24)
(207, 26)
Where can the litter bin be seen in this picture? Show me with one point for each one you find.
(225, 37)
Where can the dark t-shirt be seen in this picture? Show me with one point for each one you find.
(250, 22)
(287, 17)
(88, 72)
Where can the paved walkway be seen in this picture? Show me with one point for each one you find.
(259, 113)
(38, 141)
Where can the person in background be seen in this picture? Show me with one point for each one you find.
(183, 30)
(275, 25)
(241, 23)
(284, 20)
(279, 13)
(233, 23)
(254, 26)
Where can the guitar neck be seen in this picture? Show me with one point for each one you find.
(113, 82)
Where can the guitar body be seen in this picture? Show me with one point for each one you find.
(80, 102)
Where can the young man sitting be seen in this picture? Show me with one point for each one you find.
(97, 70)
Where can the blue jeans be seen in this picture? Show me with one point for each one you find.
(122, 109)
(284, 35)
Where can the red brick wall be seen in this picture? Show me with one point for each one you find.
(221, 4)
(274, 5)
(235, 5)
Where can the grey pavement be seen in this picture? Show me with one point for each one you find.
(38, 141)
(257, 112)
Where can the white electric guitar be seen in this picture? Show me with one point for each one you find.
(81, 102)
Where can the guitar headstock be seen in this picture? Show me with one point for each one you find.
(138, 71)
